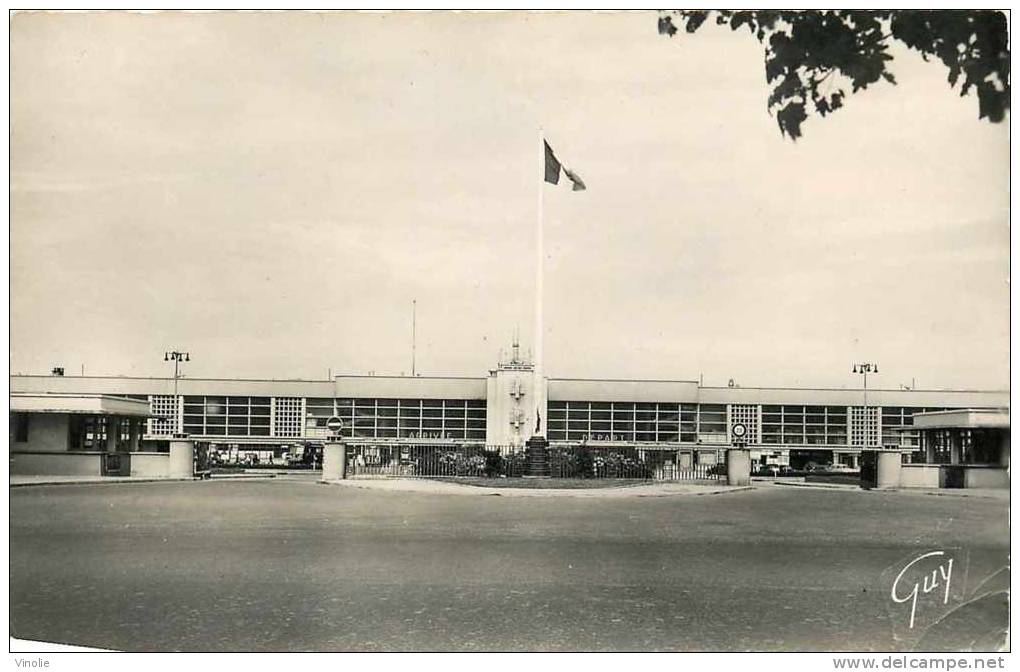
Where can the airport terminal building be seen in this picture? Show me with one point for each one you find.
(681, 421)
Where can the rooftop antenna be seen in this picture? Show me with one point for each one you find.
(517, 345)
(414, 334)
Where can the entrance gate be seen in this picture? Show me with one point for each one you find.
(453, 460)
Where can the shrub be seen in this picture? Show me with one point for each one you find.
(493, 463)
(585, 462)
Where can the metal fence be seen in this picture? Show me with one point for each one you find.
(478, 460)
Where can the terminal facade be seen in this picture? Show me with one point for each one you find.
(690, 422)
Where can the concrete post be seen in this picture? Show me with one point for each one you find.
(134, 432)
(888, 469)
(738, 466)
(955, 447)
(334, 461)
(112, 433)
(182, 459)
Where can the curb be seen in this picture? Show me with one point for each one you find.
(905, 491)
(592, 493)
(240, 477)
(952, 494)
(104, 482)
(820, 486)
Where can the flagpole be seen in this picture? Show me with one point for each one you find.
(539, 266)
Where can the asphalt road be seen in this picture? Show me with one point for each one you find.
(295, 566)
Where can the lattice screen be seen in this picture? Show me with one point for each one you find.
(167, 408)
(288, 416)
(864, 426)
(747, 414)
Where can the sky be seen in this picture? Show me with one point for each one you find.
(270, 192)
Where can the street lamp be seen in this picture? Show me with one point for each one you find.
(864, 368)
(176, 357)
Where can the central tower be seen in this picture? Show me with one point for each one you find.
(512, 391)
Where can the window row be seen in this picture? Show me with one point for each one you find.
(636, 422)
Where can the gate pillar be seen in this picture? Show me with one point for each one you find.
(888, 475)
(738, 466)
(182, 458)
(334, 461)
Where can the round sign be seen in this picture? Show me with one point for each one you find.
(334, 424)
(739, 430)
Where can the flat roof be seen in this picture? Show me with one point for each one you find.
(91, 404)
(461, 387)
(963, 418)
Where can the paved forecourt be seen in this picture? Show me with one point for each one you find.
(280, 564)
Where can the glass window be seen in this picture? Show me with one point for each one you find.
(668, 413)
(215, 406)
(19, 427)
(836, 438)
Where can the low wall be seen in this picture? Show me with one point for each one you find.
(985, 477)
(921, 476)
(150, 465)
(56, 464)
